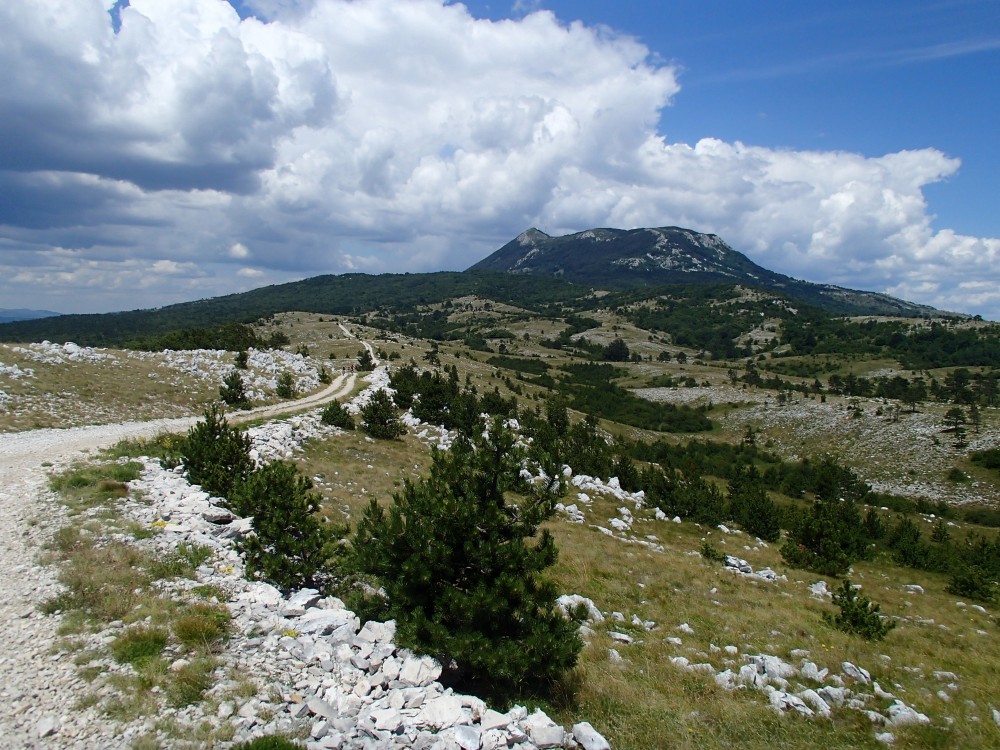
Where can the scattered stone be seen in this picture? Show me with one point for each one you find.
(47, 726)
(901, 715)
(856, 673)
(589, 738)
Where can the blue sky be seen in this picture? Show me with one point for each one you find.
(868, 77)
(157, 151)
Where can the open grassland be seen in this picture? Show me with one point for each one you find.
(655, 571)
(647, 702)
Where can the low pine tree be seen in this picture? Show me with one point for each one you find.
(336, 415)
(858, 614)
(461, 568)
(828, 539)
(379, 419)
(216, 455)
(289, 547)
(365, 361)
(285, 386)
(233, 392)
(831, 536)
(750, 506)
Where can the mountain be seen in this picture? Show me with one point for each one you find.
(673, 255)
(9, 316)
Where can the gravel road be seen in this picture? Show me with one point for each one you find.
(38, 689)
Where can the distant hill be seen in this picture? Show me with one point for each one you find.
(348, 294)
(673, 255)
(10, 316)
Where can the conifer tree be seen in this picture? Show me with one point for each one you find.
(461, 574)
(285, 385)
(750, 506)
(379, 419)
(215, 455)
(365, 361)
(288, 548)
(233, 392)
(829, 538)
(336, 415)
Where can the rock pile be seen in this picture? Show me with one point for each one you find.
(741, 566)
(347, 684)
(56, 354)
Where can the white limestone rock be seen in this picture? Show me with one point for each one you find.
(544, 732)
(901, 715)
(419, 670)
(856, 673)
(589, 738)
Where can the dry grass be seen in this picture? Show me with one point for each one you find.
(646, 699)
(647, 702)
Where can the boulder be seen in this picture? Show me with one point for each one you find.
(544, 732)
(299, 602)
(468, 737)
(589, 738)
(856, 673)
(419, 670)
(442, 712)
(901, 715)
(326, 621)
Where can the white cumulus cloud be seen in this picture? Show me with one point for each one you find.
(378, 135)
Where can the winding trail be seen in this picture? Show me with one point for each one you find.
(38, 689)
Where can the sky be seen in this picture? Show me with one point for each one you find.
(161, 151)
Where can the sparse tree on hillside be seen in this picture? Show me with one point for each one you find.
(233, 392)
(215, 455)
(336, 415)
(616, 351)
(365, 361)
(461, 574)
(379, 419)
(285, 386)
(955, 419)
(750, 505)
(288, 547)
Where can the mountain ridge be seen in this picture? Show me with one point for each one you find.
(653, 256)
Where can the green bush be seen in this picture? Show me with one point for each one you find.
(232, 391)
(829, 538)
(858, 614)
(750, 506)
(215, 455)
(285, 387)
(462, 579)
(336, 415)
(972, 582)
(365, 361)
(710, 552)
(289, 547)
(378, 417)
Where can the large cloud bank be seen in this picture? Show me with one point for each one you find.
(191, 153)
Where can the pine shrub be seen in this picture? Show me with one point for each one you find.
(285, 387)
(461, 575)
(215, 455)
(365, 361)
(289, 547)
(751, 507)
(972, 582)
(379, 419)
(858, 614)
(336, 415)
(233, 392)
(828, 539)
